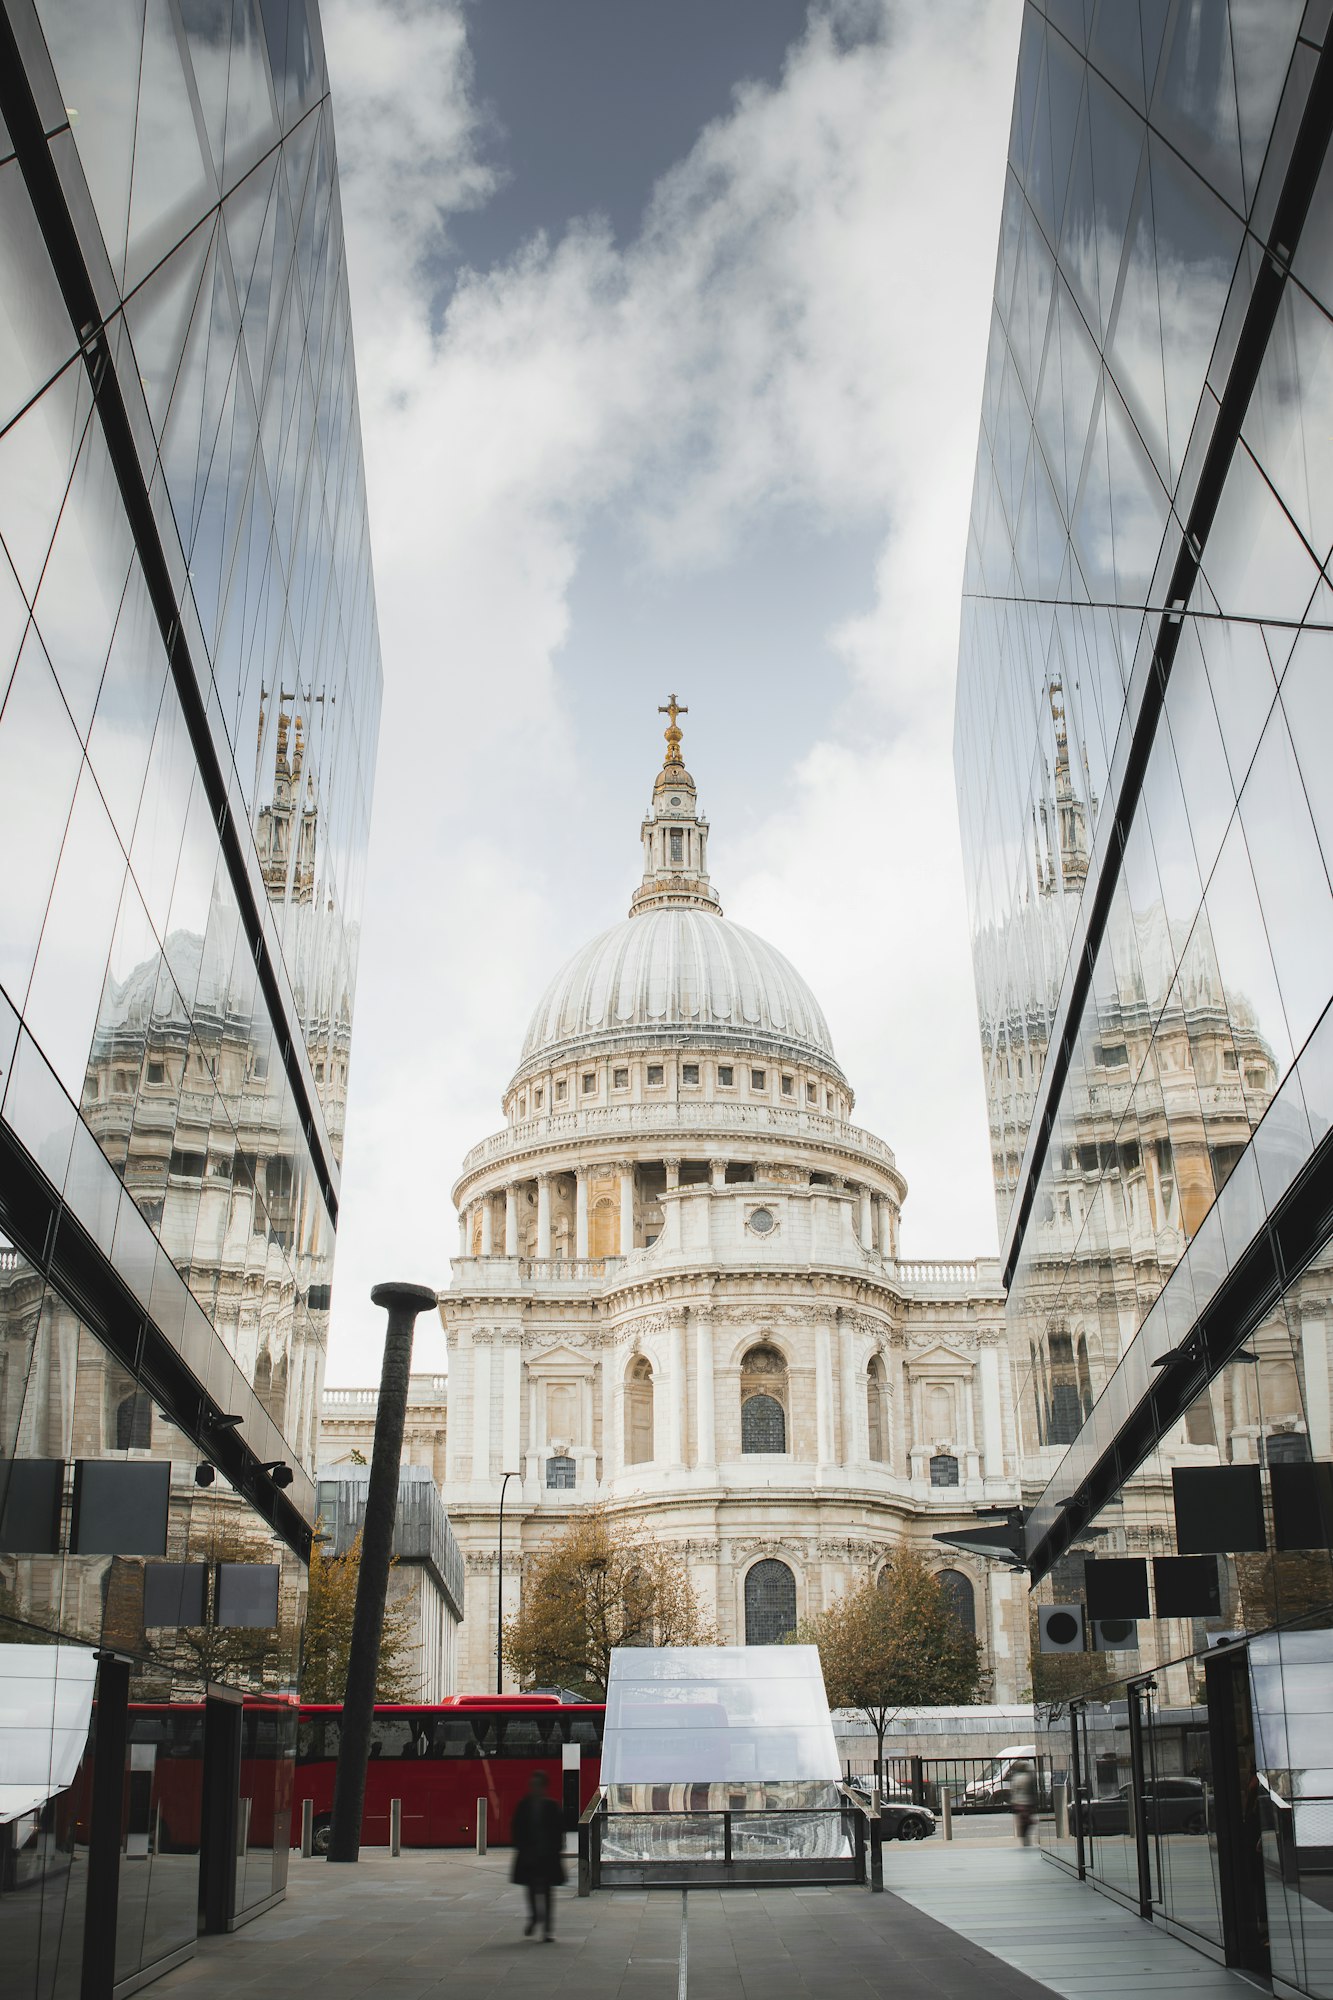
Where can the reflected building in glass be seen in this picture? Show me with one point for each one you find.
(1145, 707)
(189, 701)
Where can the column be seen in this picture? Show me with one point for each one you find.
(481, 1407)
(612, 1456)
(992, 1424)
(675, 1388)
(464, 1245)
(511, 1221)
(824, 1396)
(719, 1172)
(543, 1215)
(672, 1173)
(487, 1226)
(1315, 1379)
(884, 1235)
(511, 1389)
(580, 1211)
(852, 1450)
(866, 1229)
(704, 1426)
(626, 1207)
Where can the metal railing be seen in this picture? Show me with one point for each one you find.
(730, 1846)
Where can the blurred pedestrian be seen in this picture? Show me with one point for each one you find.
(539, 1837)
(1022, 1798)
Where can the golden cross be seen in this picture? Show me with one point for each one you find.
(673, 709)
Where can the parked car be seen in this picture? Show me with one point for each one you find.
(902, 1817)
(1171, 1805)
(990, 1792)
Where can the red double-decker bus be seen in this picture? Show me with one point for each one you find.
(440, 1760)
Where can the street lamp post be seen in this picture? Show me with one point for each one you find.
(500, 1590)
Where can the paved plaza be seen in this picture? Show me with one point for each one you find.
(967, 1923)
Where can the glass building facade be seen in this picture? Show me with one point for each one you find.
(1142, 752)
(189, 701)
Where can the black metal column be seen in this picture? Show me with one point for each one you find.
(104, 1827)
(220, 1809)
(403, 1302)
(1138, 1804)
(1076, 1714)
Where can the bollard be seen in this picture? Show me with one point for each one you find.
(946, 1812)
(395, 1827)
(307, 1828)
(481, 1826)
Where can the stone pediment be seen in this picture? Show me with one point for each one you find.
(557, 1358)
(939, 1358)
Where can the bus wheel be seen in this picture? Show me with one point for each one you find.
(322, 1834)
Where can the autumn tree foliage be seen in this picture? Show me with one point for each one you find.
(894, 1643)
(601, 1584)
(328, 1633)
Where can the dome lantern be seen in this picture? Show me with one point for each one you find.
(675, 836)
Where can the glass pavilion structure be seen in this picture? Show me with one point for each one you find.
(189, 701)
(1144, 720)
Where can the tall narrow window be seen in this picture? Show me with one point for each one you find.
(134, 1421)
(877, 1429)
(763, 1401)
(770, 1603)
(639, 1412)
(677, 844)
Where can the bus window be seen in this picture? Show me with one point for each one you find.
(523, 1736)
(317, 1739)
(456, 1737)
(586, 1729)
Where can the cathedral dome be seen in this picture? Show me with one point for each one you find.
(676, 968)
(668, 971)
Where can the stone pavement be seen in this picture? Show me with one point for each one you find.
(447, 1924)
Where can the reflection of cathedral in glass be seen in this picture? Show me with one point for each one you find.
(189, 700)
(1143, 715)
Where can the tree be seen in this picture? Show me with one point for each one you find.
(896, 1643)
(600, 1585)
(328, 1632)
(1061, 1678)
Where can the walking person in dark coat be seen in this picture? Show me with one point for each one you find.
(539, 1837)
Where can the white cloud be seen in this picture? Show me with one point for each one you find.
(800, 324)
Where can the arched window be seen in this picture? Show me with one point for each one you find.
(770, 1604)
(961, 1597)
(877, 1428)
(944, 1469)
(1064, 1418)
(560, 1471)
(1287, 1448)
(763, 1401)
(639, 1412)
(134, 1421)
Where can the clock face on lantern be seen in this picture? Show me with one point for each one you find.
(675, 798)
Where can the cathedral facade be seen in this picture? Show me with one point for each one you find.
(678, 1292)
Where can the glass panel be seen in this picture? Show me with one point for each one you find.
(39, 770)
(35, 335)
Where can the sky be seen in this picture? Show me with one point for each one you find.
(670, 323)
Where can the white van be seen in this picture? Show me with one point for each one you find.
(990, 1792)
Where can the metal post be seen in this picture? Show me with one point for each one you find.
(103, 1865)
(307, 1828)
(1076, 1773)
(481, 1826)
(876, 1854)
(918, 1782)
(395, 1827)
(946, 1811)
(403, 1302)
(726, 1838)
(500, 1590)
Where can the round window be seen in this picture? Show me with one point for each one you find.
(675, 798)
(762, 1220)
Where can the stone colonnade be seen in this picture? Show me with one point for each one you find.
(497, 1211)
